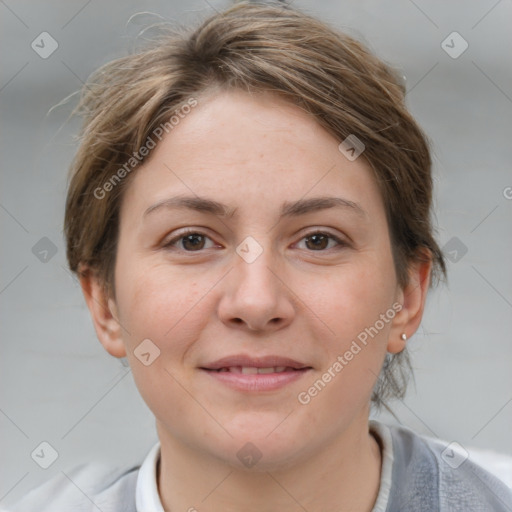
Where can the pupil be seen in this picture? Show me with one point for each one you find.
(188, 239)
(317, 238)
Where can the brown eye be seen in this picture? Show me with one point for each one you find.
(319, 241)
(190, 241)
(193, 241)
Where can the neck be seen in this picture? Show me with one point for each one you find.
(343, 475)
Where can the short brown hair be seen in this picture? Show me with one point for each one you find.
(253, 47)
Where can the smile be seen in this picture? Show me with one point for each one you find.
(252, 379)
(251, 370)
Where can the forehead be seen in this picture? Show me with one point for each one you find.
(234, 146)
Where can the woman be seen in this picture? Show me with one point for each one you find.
(249, 216)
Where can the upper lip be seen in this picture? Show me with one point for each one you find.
(254, 362)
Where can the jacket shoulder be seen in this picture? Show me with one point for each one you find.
(83, 488)
(455, 483)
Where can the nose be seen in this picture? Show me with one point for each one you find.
(256, 296)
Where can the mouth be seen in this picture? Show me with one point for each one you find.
(244, 373)
(254, 370)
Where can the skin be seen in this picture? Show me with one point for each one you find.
(254, 152)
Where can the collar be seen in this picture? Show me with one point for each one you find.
(147, 498)
(383, 435)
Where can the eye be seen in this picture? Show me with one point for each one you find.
(319, 240)
(194, 241)
(191, 241)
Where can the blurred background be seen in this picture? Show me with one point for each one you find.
(59, 386)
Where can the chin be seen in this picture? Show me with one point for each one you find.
(260, 457)
(267, 446)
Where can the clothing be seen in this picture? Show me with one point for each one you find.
(415, 477)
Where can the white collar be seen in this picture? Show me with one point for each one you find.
(383, 432)
(147, 498)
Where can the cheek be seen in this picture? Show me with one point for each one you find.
(170, 307)
(357, 307)
(158, 304)
(355, 297)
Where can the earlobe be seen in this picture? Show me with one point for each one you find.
(397, 343)
(103, 313)
(413, 299)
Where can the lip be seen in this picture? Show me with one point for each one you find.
(256, 382)
(254, 362)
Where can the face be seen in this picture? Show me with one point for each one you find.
(276, 275)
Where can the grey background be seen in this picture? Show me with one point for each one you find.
(59, 385)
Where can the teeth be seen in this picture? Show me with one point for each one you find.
(250, 370)
(266, 370)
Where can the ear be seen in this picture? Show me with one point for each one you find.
(103, 312)
(412, 298)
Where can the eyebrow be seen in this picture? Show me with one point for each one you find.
(288, 209)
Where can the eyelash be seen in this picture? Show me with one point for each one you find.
(183, 234)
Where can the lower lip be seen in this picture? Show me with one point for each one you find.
(256, 381)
